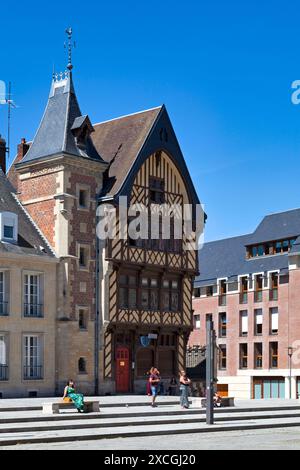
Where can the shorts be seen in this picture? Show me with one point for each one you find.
(154, 390)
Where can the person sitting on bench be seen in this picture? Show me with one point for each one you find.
(217, 399)
(76, 398)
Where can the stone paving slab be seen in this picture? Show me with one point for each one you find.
(259, 439)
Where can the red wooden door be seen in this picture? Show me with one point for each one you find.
(122, 370)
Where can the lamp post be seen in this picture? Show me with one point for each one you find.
(290, 354)
(210, 369)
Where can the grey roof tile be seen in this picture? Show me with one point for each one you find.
(30, 240)
(227, 257)
(54, 135)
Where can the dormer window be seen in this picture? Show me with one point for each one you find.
(9, 226)
(270, 248)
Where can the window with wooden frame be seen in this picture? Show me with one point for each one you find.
(258, 293)
(244, 323)
(273, 355)
(197, 322)
(222, 324)
(243, 356)
(222, 356)
(244, 290)
(273, 293)
(223, 292)
(156, 190)
(170, 295)
(274, 321)
(258, 322)
(270, 248)
(149, 293)
(209, 291)
(258, 355)
(128, 291)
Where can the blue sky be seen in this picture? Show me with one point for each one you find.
(223, 69)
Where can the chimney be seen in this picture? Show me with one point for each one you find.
(2, 154)
(22, 150)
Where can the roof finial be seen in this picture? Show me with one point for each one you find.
(70, 46)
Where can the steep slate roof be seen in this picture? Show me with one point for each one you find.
(54, 135)
(119, 142)
(227, 257)
(277, 226)
(126, 142)
(30, 240)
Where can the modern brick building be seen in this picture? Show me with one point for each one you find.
(111, 295)
(251, 285)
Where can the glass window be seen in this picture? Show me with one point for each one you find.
(8, 231)
(197, 322)
(145, 299)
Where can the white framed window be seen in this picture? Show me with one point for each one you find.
(3, 350)
(33, 295)
(33, 357)
(3, 357)
(197, 322)
(8, 226)
(274, 321)
(244, 322)
(4, 293)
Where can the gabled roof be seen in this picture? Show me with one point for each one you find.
(227, 258)
(126, 142)
(119, 141)
(54, 135)
(30, 240)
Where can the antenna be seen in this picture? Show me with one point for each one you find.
(9, 102)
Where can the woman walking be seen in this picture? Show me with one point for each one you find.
(77, 398)
(185, 383)
(154, 380)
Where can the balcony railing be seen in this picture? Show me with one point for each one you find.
(33, 310)
(3, 372)
(3, 309)
(33, 372)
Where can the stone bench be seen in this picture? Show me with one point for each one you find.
(226, 401)
(54, 407)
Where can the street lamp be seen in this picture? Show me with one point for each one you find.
(290, 354)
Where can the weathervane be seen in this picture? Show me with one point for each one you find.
(70, 45)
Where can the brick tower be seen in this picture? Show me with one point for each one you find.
(58, 180)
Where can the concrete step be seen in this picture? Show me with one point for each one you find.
(98, 421)
(28, 437)
(145, 412)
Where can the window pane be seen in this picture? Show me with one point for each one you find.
(132, 298)
(174, 301)
(145, 299)
(8, 231)
(154, 300)
(123, 297)
(166, 301)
